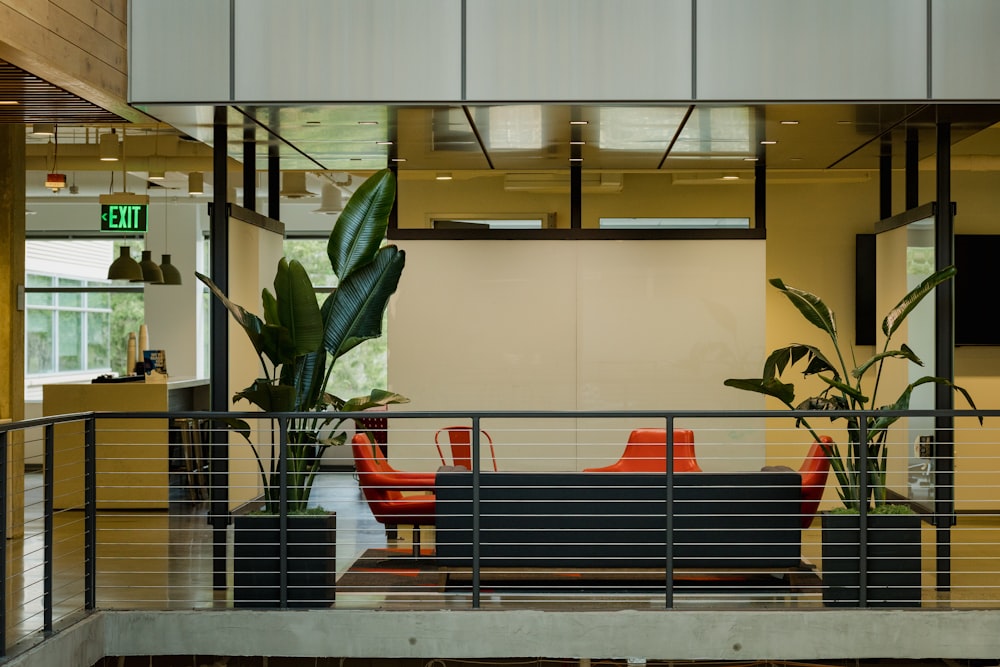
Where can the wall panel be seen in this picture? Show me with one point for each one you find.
(348, 50)
(578, 50)
(965, 53)
(179, 51)
(811, 50)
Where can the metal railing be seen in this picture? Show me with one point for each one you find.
(136, 511)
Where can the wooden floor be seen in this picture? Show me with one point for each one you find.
(164, 560)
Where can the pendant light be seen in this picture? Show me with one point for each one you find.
(169, 273)
(332, 200)
(149, 270)
(124, 268)
(108, 146)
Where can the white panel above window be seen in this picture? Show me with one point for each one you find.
(348, 50)
(965, 49)
(578, 49)
(811, 50)
(178, 51)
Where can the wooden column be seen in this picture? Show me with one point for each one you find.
(12, 152)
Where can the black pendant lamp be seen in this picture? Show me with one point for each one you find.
(149, 270)
(124, 268)
(171, 276)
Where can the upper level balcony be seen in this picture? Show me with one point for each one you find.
(563, 527)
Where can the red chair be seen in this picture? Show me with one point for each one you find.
(383, 488)
(646, 451)
(460, 439)
(814, 471)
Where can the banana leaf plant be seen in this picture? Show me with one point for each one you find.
(845, 391)
(298, 341)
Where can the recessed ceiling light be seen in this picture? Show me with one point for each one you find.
(443, 176)
(750, 159)
(789, 122)
(398, 159)
(9, 102)
(367, 122)
(845, 122)
(383, 143)
(768, 142)
(730, 178)
(579, 122)
(577, 143)
(576, 159)
(795, 159)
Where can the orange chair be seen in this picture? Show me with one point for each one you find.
(460, 438)
(646, 451)
(383, 488)
(813, 472)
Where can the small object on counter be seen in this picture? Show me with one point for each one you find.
(130, 356)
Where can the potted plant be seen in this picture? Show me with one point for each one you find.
(866, 455)
(298, 343)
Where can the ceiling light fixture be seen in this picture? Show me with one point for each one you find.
(789, 122)
(196, 183)
(43, 129)
(576, 159)
(170, 274)
(55, 181)
(750, 159)
(149, 270)
(443, 176)
(293, 185)
(383, 143)
(768, 142)
(108, 148)
(332, 201)
(398, 159)
(579, 122)
(8, 102)
(577, 143)
(730, 178)
(124, 268)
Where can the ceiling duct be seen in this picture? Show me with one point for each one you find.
(593, 182)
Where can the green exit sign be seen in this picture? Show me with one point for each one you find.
(123, 212)
(123, 217)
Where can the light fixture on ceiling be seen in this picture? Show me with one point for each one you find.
(156, 168)
(293, 185)
(332, 200)
(124, 268)
(196, 183)
(55, 181)
(149, 270)
(171, 275)
(43, 129)
(108, 147)
(443, 176)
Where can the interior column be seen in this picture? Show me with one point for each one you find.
(12, 208)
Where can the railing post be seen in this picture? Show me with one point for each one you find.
(475, 512)
(90, 513)
(863, 512)
(3, 543)
(669, 570)
(283, 511)
(48, 488)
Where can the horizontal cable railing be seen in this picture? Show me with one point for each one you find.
(455, 510)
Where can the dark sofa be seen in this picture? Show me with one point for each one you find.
(618, 520)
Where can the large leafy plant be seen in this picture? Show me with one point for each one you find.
(845, 391)
(298, 341)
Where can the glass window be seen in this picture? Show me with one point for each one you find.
(675, 223)
(70, 338)
(38, 298)
(366, 366)
(40, 327)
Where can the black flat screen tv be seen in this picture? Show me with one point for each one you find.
(977, 286)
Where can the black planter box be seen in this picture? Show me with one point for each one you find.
(312, 561)
(893, 560)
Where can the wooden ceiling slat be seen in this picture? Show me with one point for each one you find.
(38, 101)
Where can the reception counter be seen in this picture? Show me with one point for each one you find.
(133, 455)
